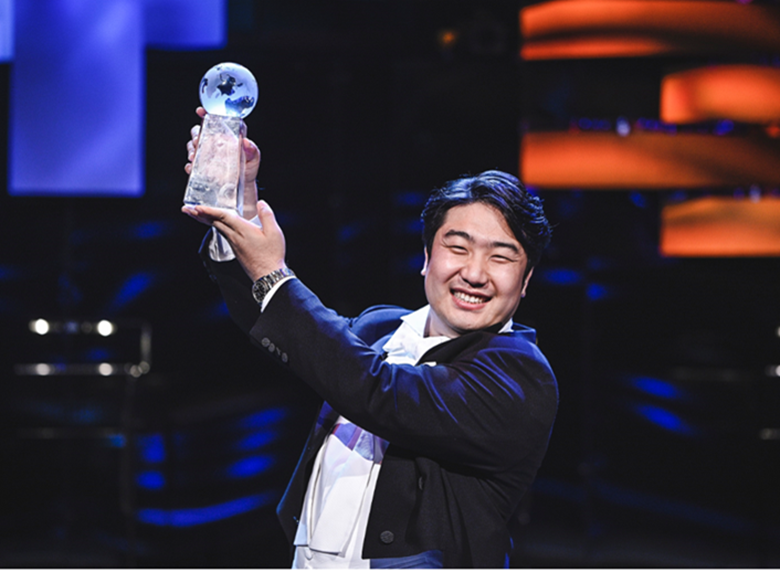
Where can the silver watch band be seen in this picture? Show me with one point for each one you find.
(264, 284)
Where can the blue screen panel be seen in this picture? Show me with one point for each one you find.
(76, 106)
(186, 24)
(6, 30)
(78, 87)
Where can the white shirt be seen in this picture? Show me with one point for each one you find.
(343, 479)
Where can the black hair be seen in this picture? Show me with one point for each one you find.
(522, 210)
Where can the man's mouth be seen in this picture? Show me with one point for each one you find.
(470, 298)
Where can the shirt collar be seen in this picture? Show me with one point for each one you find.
(408, 343)
(417, 320)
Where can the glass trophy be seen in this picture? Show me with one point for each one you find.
(228, 93)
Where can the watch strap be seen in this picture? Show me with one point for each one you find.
(264, 284)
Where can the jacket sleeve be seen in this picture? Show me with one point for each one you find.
(235, 286)
(488, 409)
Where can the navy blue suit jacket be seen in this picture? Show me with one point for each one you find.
(466, 435)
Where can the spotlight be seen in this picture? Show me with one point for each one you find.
(40, 327)
(105, 369)
(105, 328)
(43, 369)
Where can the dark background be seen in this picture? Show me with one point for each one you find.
(663, 453)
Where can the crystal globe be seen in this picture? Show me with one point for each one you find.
(228, 89)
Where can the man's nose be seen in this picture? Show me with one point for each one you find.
(474, 271)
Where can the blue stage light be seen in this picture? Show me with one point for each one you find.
(665, 506)
(412, 199)
(151, 448)
(98, 354)
(263, 418)
(724, 127)
(349, 232)
(186, 517)
(562, 276)
(665, 419)
(132, 288)
(584, 123)
(250, 467)
(87, 415)
(638, 199)
(150, 480)
(217, 311)
(596, 292)
(149, 230)
(118, 440)
(256, 440)
(623, 127)
(656, 387)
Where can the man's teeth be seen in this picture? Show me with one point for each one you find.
(470, 299)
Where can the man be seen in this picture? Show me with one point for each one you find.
(434, 422)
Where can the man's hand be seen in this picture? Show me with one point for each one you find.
(251, 166)
(259, 250)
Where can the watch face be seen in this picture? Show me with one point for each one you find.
(258, 292)
(263, 285)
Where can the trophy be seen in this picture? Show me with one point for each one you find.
(228, 92)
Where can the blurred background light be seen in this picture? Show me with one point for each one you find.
(635, 28)
(40, 326)
(105, 328)
(721, 226)
(186, 517)
(747, 93)
(646, 160)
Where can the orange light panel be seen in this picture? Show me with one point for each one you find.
(646, 160)
(565, 29)
(740, 92)
(721, 226)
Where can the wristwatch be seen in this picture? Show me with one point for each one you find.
(264, 284)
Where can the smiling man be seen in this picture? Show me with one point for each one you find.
(434, 422)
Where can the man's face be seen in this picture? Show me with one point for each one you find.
(474, 276)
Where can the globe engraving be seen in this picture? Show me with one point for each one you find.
(228, 89)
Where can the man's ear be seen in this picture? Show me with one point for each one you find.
(526, 280)
(424, 270)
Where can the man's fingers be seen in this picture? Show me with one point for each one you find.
(192, 146)
(251, 151)
(215, 214)
(228, 222)
(192, 212)
(202, 213)
(267, 217)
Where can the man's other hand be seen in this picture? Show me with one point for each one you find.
(260, 250)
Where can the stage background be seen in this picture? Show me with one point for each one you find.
(665, 451)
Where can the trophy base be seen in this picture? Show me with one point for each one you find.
(217, 177)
